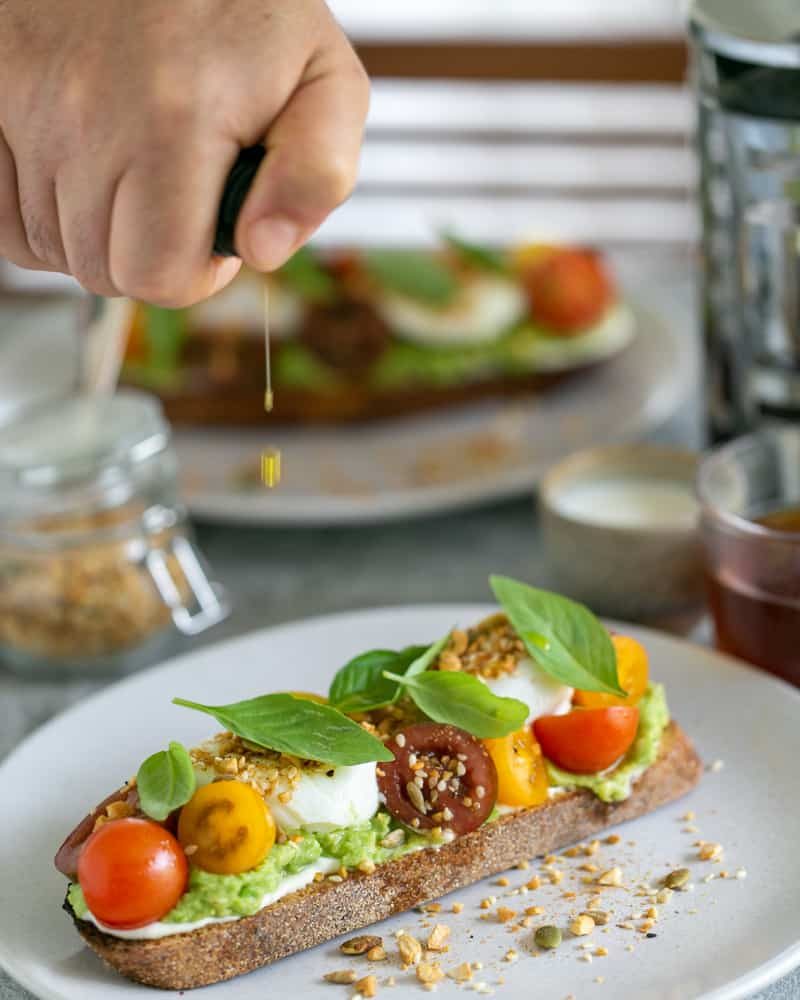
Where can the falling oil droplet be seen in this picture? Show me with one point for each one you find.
(271, 467)
(270, 457)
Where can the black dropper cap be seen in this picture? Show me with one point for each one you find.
(236, 187)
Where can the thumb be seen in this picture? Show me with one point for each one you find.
(311, 166)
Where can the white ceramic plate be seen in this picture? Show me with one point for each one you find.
(447, 459)
(723, 941)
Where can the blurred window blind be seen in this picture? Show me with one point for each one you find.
(510, 119)
(498, 20)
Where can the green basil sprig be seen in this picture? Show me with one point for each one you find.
(166, 781)
(361, 684)
(298, 727)
(460, 699)
(564, 638)
(484, 258)
(418, 276)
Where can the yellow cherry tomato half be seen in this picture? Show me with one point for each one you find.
(632, 672)
(226, 828)
(521, 774)
(528, 254)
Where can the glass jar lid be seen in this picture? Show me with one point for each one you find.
(760, 32)
(76, 441)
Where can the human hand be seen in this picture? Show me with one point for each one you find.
(120, 121)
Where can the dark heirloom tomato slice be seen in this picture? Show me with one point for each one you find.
(441, 776)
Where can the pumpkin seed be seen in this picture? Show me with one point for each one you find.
(547, 936)
(677, 879)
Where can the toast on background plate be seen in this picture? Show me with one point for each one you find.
(359, 335)
(423, 770)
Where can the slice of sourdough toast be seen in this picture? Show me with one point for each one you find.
(326, 909)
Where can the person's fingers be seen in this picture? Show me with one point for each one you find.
(84, 214)
(13, 238)
(163, 221)
(311, 164)
(37, 202)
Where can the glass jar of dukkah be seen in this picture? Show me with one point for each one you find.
(98, 569)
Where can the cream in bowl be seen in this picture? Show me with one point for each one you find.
(620, 531)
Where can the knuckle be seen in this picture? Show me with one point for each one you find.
(95, 282)
(337, 178)
(86, 252)
(43, 241)
(173, 114)
(159, 287)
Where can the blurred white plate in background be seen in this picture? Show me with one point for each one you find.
(450, 458)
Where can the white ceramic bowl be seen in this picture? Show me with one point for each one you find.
(627, 550)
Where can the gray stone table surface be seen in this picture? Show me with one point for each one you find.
(277, 575)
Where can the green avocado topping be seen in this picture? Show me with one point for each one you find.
(212, 895)
(615, 785)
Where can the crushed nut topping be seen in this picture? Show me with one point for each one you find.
(394, 839)
(490, 649)
(387, 721)
(410, 949)
(429, 973)
(437, 939)
(360, 945)
(344, 976)
(612, 877)
(120, 809)
(272, 774)
(461, 973)
(367, 987)
(582, 925)
(710, 852)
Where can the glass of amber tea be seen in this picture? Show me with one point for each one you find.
(750, 496)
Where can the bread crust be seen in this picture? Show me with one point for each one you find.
(327, 909)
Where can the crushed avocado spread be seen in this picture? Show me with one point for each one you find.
(212, 895)
(615, 784)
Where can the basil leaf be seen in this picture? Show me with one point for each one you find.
(166, 781)
(298, 727)
(305, 275)
(419, 276)
(462, 700)
(481, 257)
(564, 637)
(428, 657)
(360, 685)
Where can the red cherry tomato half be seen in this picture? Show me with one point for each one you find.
(587, 740)
(132, 872)
(569, 289)
(441, 776)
